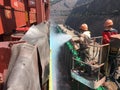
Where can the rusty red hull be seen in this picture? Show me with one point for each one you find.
(18, 13)
(5, 53)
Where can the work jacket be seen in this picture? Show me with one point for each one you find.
(87, 33)
(85, 39)
(107, 34)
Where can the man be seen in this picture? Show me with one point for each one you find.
(84, 41)
(84, 30)
(107, 56)
(108, 31)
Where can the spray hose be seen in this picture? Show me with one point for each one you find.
(74, 52)
(71, 48)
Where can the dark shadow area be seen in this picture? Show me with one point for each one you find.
(7, 2)
(27, 9)
(64, 66)
(8, 23)
(94, 14)
(39, 68)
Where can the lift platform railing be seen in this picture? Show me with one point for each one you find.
(94, 78)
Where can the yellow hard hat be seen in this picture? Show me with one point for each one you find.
(108, 22)
(84, 26)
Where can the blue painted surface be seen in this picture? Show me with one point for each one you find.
(82, 80)
(57, 40)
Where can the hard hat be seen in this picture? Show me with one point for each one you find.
(108, 22)
(84, 26)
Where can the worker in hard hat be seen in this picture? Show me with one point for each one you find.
(84, 42)
(109, 30)
(106, 54)
(84, 30)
